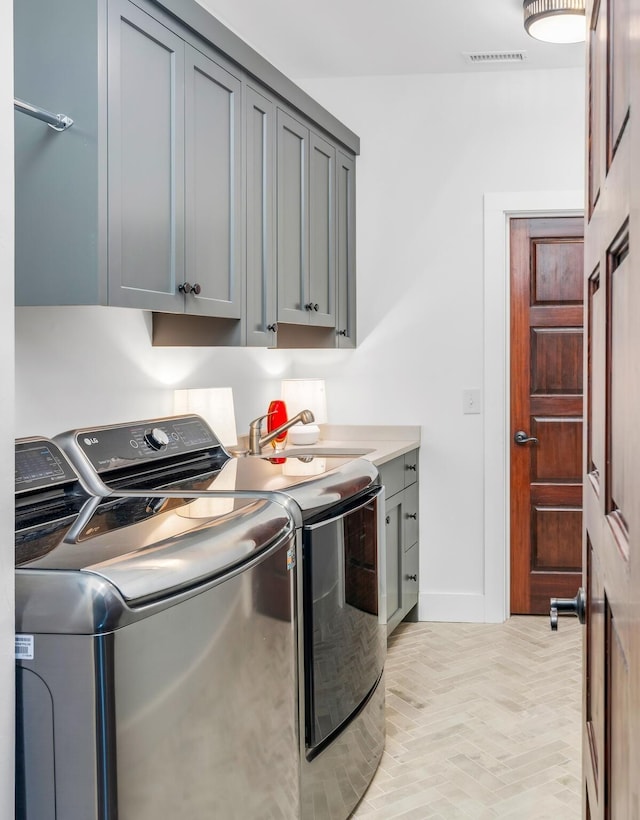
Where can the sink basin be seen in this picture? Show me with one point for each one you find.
(316, 452)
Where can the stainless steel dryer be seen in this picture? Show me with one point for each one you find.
(338, 508)
(155, 648)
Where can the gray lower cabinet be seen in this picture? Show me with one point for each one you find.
(305, 224)
(400, 478)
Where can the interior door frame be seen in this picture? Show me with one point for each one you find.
(499, 209)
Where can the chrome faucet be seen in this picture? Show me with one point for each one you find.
(257, 442)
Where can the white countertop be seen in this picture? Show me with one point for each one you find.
(383, 442)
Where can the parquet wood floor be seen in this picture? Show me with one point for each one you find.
(483, 721)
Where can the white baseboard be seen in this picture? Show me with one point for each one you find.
(453, 608)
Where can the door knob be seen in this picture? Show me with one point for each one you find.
(522, 438)
(572, 606)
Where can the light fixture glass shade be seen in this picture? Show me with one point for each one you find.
(305, 394)
(555, 21)
(215, 405)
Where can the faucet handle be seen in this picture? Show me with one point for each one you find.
(256, 424)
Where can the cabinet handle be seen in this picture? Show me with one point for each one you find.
(413, 515)
(273, 328)
(186, 287)
(388, 519)
(412, 467)
(412, 577)
(316, 306)
(342, 333)
(308, 306)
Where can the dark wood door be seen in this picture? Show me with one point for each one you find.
(611, 735)
(546, 405)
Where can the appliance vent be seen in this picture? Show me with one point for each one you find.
(482, 57)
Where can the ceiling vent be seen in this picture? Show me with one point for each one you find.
(485, 57)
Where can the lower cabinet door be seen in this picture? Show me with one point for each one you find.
(410, 578)
(393, 552)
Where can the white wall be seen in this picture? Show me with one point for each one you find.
(431, 147)
(7, 663)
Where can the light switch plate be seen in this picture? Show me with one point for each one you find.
(471, 401)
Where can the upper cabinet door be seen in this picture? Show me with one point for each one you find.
(260, 192)
(213, 194)
(322, 232)
(145, 161)
(293, 220)
(346, 256)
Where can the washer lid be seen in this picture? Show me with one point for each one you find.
(179, 544)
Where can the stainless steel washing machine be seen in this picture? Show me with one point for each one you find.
(155, 649)
(337, 505)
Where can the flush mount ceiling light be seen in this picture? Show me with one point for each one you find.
(555, 21)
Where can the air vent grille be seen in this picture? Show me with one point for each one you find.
(484, 57)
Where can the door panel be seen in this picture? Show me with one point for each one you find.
(213, 117)
(322, 232)
(611, 734)
(546, 403)
(145, 168)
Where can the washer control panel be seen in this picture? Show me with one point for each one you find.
(110, 448)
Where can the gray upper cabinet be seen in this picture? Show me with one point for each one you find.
(346, 250)
(292, 220)
(146, 161)
(213, 194)
(261, 207)
(196, 180)
(322, 232)
(305, 225)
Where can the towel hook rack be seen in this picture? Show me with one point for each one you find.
(59, 122)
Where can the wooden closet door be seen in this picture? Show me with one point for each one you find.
(611, 538)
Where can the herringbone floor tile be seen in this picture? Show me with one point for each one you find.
(483, 721)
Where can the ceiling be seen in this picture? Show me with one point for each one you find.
(343, 38)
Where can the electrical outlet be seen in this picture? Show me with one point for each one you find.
(471, 401)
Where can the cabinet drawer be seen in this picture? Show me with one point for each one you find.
(392, 476)
(410, 578)
(410, 516)
(410, 468)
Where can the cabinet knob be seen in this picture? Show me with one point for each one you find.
(342, 333)
(186, 287)
(308, 306)
(316, 306)
(273, 328)
(412, 467)
(412, 577)
(413, 515)
(388, 519)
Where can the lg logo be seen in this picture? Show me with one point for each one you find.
(89, 441)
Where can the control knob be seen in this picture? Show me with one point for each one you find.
(156, 438)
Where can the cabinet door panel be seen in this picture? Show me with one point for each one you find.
(145, 169)
(410, 516)
(392, 476)
(260, 193)
(410, 578)
(322, 232)
(346, 251)
(293, 220)
(392, 553)
(213, 150)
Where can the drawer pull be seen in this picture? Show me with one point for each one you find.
(412, 577)
(412, 467)
(388, 519)
(413, 515)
